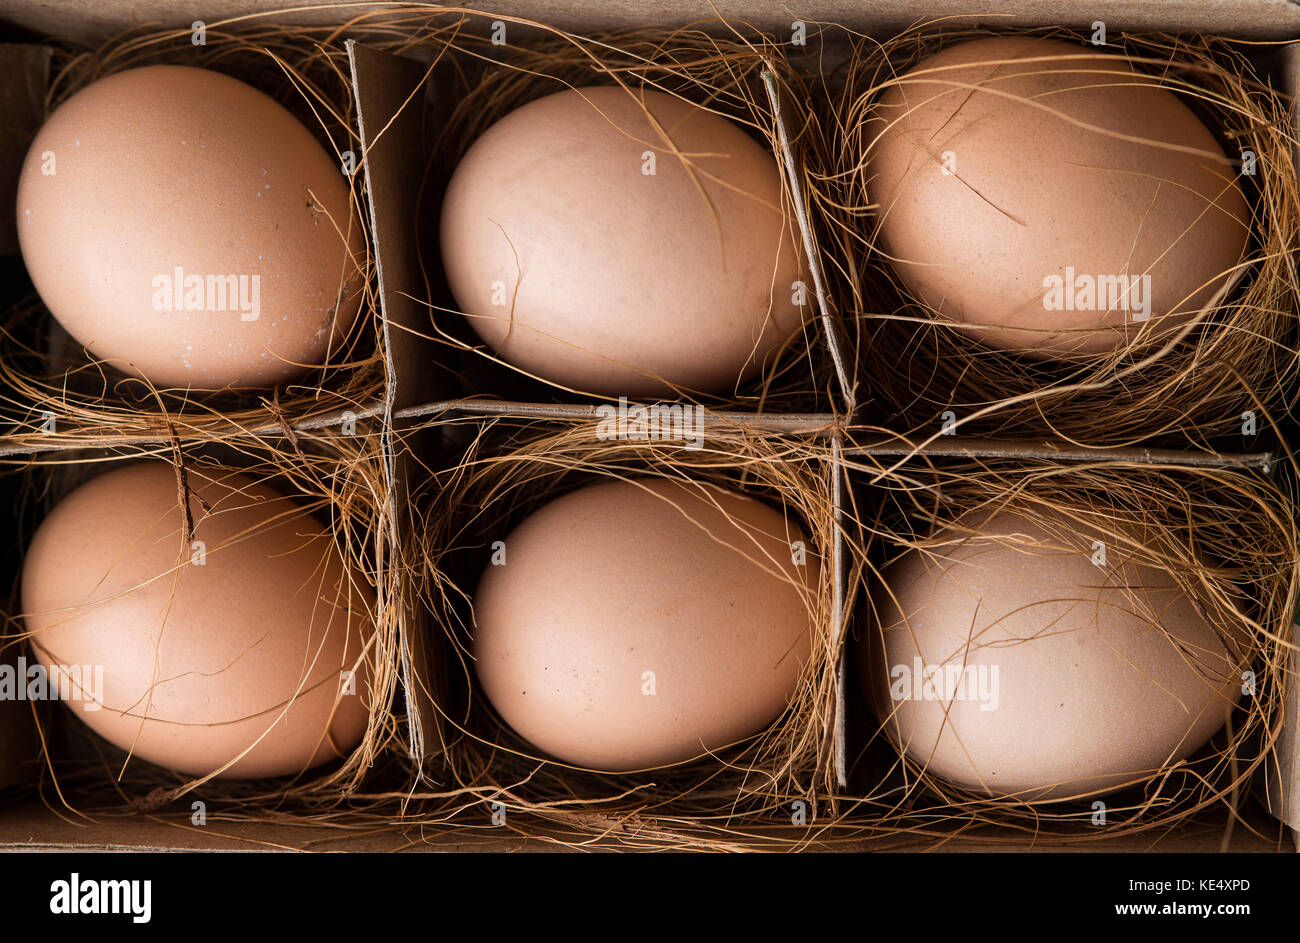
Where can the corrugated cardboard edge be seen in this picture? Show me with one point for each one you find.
(93, 20)
(391, 144)
(832, 339)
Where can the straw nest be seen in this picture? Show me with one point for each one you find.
(510, 468)
(53, 393)
(734, 73)
(1226, 536)
(339, 477)
(1183, 388)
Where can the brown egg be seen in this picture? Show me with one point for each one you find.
(639, 624)
(1011, 664)
(1038, 192)
(586, 251)
(187, 229)
(243, 648)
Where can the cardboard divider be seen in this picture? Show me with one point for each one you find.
(839, 615)
(940, 446)
(391, 139)
(831, 332)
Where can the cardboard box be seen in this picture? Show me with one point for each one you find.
(381, 84)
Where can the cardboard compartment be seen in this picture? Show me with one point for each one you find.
(472, 81)
(924, 376)
(515, 467)
(58, 397)
(897, 501)
(77, 772)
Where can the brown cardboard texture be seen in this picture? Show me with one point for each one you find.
(390, 141)
(89, 22)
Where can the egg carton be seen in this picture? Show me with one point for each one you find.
(415, 394)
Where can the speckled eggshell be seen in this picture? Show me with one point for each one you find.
(580, 268)
(998, 163)
(1090, 692)
(168, 168)
(640, 624)
(244, 651)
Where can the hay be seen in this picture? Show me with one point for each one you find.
(1227, 532)
(336, 476)
(51, 390)
(1228, 538)
(723, 73)
(509, 469)
(1181, 388)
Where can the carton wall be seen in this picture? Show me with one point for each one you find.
(87, 21)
